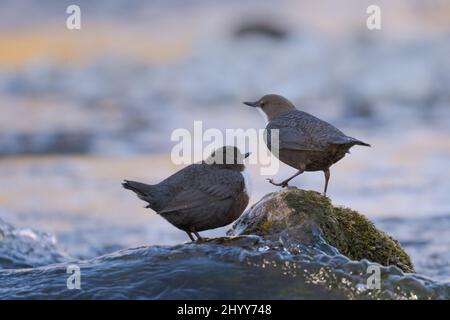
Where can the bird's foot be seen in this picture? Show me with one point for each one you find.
(199, 238)
(282, 184)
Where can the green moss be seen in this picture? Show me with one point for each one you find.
(266, 226)
(349, 231)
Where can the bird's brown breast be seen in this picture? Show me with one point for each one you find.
(237, 208)
(312, 160)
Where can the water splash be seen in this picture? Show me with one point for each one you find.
(26, 248)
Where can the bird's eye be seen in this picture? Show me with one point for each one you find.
(262, 104)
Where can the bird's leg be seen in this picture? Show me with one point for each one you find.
(199, 238)
(190, 236)
(284, 183)
(327, 178)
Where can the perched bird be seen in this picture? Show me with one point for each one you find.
(205, 195)
(305, 142)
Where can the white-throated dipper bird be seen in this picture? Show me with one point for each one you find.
(305, 142)
(202, 196)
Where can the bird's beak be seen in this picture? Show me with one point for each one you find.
(250, 104)
(247, 155)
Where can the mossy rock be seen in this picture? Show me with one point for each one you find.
(304, 213)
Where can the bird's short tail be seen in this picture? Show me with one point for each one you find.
(142, 190)
(137, 187)
(360, 143)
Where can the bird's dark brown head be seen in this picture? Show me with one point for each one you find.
(272, 105)
(229, 157)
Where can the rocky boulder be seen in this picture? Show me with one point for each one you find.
(308, 218)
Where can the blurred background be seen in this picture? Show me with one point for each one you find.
(80, 110)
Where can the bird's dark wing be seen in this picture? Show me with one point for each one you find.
(291, 136)
(301, 131)
(214, 190)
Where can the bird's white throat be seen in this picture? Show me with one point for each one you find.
(247, 182)
(266, 120)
